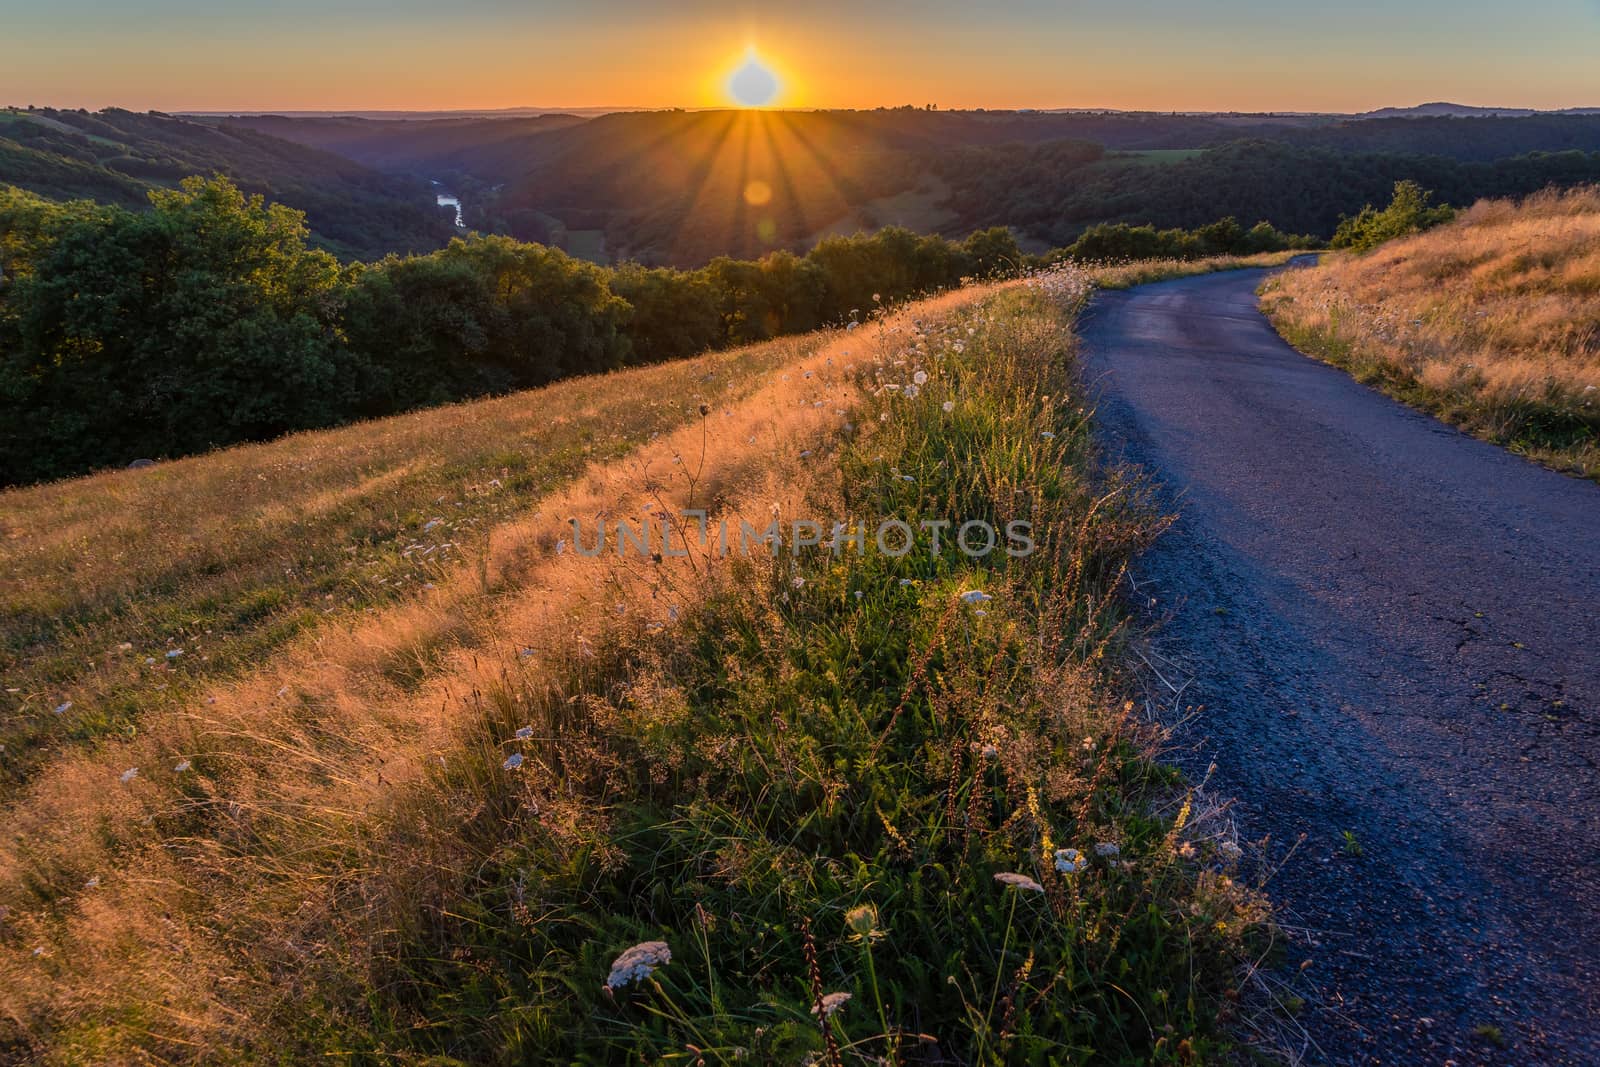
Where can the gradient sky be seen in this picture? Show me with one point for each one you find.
(1162, 54)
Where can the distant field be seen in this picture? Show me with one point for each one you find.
(586, 244)
(921, 209)
(1491, 322)
(1159, 155)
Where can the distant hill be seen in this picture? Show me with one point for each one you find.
(116, 156)
(1466, 111)
(681, 187)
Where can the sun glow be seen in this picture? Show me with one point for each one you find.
(754, 83)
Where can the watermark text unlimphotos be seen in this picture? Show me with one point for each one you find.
(695, 531)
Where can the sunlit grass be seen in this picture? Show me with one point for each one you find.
(129, 591)
(1491, 322)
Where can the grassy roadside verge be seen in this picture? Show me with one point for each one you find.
(871, 805)
(1488, 323)
(1144, 271)
(127, 593)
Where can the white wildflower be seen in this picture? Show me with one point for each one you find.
(175, 653)
(949, 406)
(93, 883)
(797, 581)
(1012, 880)
(911, 392)
(130, 774)
(181, 766)
(638, 963)
(975, 597)
(1107, 850)
(1070, 861)
(64, 706)
(920, 378)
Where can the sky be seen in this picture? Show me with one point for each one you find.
(1247, 55)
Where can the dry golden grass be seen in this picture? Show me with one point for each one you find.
(1141, 271)
(1491, 322)
(228, 556)
(174, 912)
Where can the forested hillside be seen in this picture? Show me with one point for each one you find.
(117, 157)
(680, 188)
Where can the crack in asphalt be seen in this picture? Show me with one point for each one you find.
(1394, 631)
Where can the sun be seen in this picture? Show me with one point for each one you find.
(753, 84)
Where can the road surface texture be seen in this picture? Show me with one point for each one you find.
(1394, 630)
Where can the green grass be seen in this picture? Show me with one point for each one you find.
(809, 786)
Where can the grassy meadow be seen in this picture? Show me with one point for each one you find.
(1491, 322)
(521, 804)
(131, 591)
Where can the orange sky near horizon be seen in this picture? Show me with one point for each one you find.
(479, 54)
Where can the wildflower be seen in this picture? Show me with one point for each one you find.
(130, 774)
(175, 653)
(524, 732)
(93, 883)
(905, 582)
(181, 766)
(859, 594)
(862, 922)
(1107, 850)
(513, 761)
(975, 597)
(1230, 851)
(1070, 861)
(64, 706)
(920, 378)
(1047, 435)
(911, 392)
(949, 406)
(638, 963)
(831, 1002)
(1012, 880)
(797, 581)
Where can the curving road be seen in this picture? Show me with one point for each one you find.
(1394, 630)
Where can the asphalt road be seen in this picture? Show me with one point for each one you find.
(1394, 630)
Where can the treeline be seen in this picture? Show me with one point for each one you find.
(1409, 212)
(1225, 237)
(1299, 189)
(209, 320)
